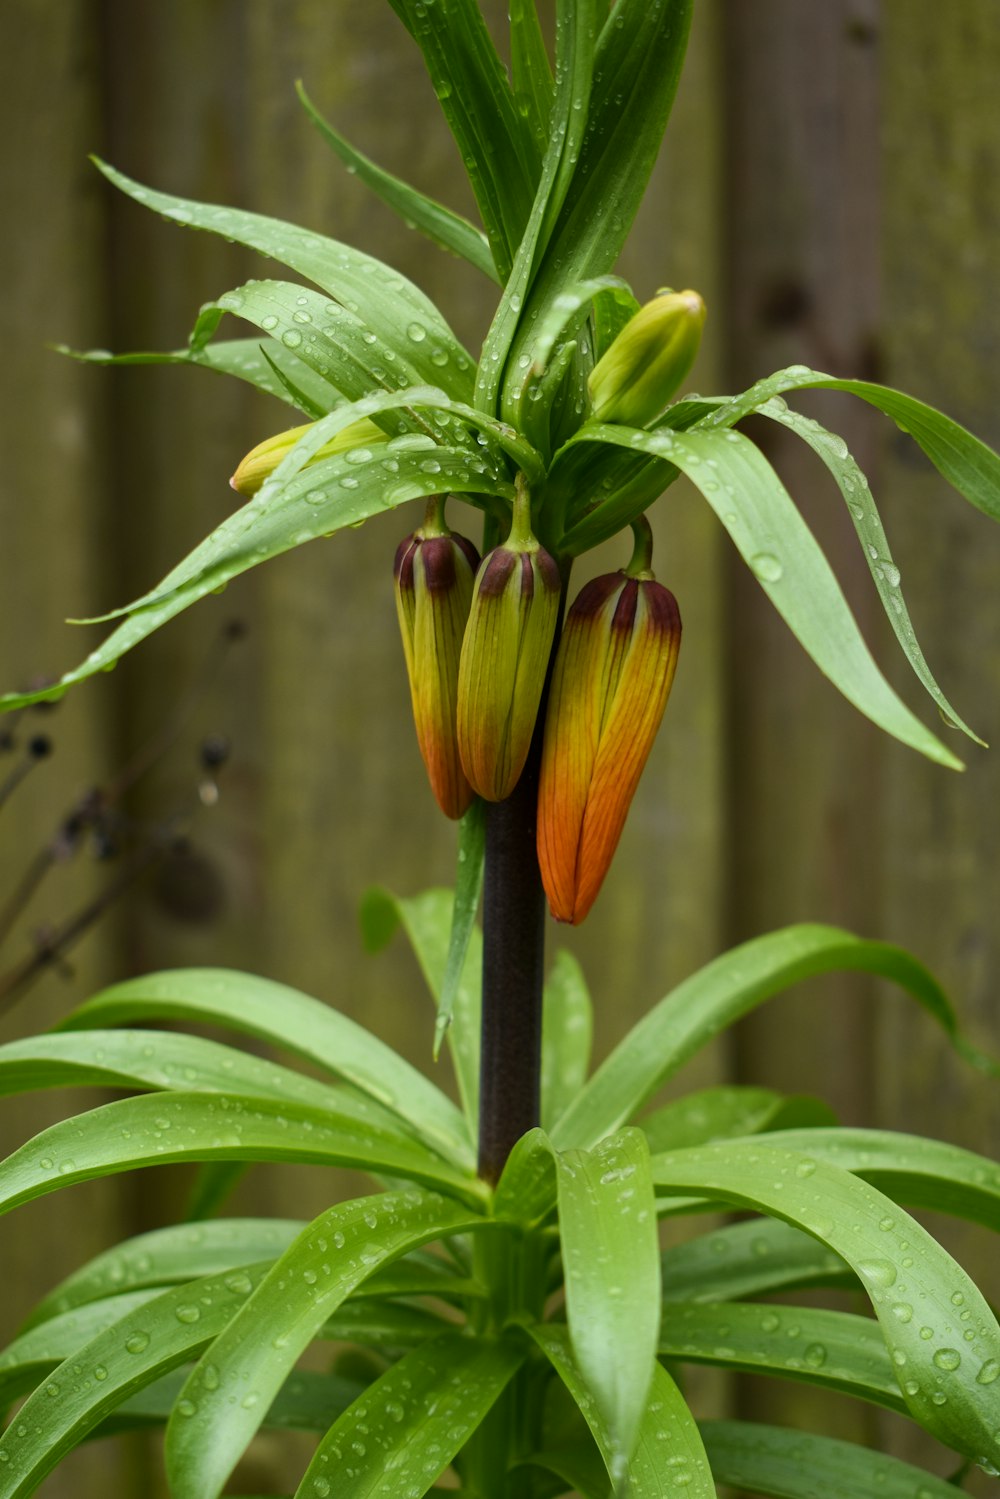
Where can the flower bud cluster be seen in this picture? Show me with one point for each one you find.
(478, 652)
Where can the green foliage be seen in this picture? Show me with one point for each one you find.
(204, 1323)
(524, 1337)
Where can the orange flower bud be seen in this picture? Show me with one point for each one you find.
(610, 684)
(433, 576)
(505, 657)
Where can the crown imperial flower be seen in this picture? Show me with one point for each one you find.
(505, 657)
(612, 676)
(652, 354)
(434, 570)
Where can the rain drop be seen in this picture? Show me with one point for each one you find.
(767, 567)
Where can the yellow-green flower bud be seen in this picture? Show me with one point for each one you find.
(434, 571)
(505, 657)
(261, 461)
(610, 683)
(652, 354)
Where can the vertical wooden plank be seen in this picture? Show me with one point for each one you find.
(802, 189)
(54, 524)
(938, 833)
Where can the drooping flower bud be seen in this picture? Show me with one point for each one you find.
(505, 657)
(652, 354)
(612, 677)
(261, 461)
(434, 571)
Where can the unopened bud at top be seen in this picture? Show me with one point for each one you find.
(261, 461)
(505, 657)
(610, 683)
(434, 569)
(652, 354)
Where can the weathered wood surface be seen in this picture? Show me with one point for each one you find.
(829, 185)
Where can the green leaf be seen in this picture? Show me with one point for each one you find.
(636, 68)
(156, 1130)
(567, 1032)
(230, 1389)
(967, 463)
(835, 1350)
(796, 1465)
(39, 1349)
(427, 920)
(556, 325)
(377, 294)
(854, 487)
(277, 373)
(607, 1223)
(942, 1336)
(168, 1255)
(324, 498)
(531, 72)
(498, 149)
(372, 1322)
(305, 1402)
(526, 1191)
(720, 993)
(785, 558)
(749, 1259)
(162, 1060)
(575, 27)
(456, 983)
(296, 1023)
(145, 1343)
(922, 1173)
(722, 1113)
(669, 1454)
(448, 230)
(407, 1427)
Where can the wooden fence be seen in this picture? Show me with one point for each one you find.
(830, 185)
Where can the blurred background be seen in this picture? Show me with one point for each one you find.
(829, 185)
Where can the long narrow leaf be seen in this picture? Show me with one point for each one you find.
(322, 499)
(531, 72)
(427, 920)
(167, 1255)
(37, 1350)
(921, 1173)
(498, 148)
(722, 992)
(797, 1465)
(967, 463)
(468, 889)
(143, 1344)
(294, 1022)
(785, 558)
(277, 373)
(567, 1032)
(854, 487)
(377, 293)
(227, 1394)
(448, 230)
(575, 24)
(669, 1456)
(941, 1334)
(408, 1426)
(725, 1112)
(158, 1129)
(162, 1061)
(749, 1259)
(834, 1350)
(607, 1224)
